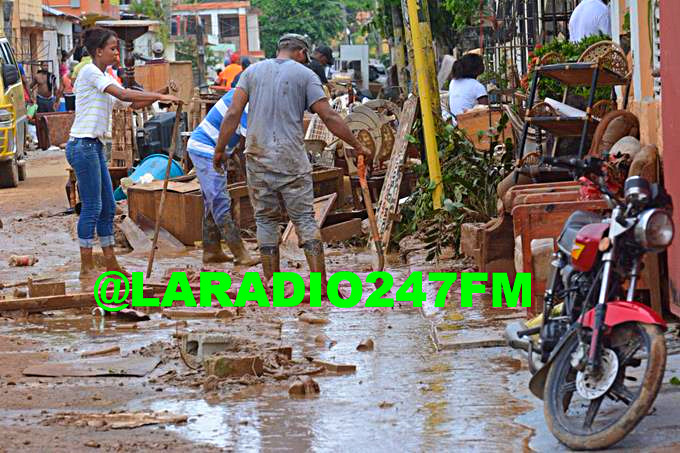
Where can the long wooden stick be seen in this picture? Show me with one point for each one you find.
(159, 213)
(361, 171)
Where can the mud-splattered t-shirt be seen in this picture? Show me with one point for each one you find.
(279, 91)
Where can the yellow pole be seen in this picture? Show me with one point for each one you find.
(424, 87)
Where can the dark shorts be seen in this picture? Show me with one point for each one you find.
(45, 104)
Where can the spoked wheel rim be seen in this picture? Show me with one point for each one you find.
(606, 416)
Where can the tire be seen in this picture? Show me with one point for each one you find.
(9, 174)
(557, 404)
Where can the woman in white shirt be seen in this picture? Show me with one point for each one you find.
(464, 90)
(96, 93)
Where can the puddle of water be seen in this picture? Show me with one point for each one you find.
(434, 399)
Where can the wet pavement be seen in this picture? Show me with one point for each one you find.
(415, 391)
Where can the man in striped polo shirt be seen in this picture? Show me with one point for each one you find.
(217, 220)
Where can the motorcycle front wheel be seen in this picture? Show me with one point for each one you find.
(585, 413)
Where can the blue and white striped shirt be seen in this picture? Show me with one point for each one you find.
(204, 138)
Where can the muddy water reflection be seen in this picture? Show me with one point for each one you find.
(403, 397)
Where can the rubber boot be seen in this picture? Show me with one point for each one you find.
(316, 260)
(87, 267)
(232, 237)
(212, 248)
(112, 263)
(270, 261)
(317, 263)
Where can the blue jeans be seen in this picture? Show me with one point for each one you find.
(216, 200)
(86, 157)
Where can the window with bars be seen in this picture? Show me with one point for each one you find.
(229, 26)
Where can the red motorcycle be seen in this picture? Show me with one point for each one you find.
(600, 357)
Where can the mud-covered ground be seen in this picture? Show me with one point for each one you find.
(417, 390)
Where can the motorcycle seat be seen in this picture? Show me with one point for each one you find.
(576, 221)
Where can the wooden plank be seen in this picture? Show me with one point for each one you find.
(45, 289)
(183, 76)
(165, 238)
(322, 207)
(389, 195)
(341, 231)
(126, 366)
(153, 77)
(138, 240)
(47, 303)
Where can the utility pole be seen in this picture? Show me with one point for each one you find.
(430, 108)
(200, 45)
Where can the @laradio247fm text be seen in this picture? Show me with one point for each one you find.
(113, 291)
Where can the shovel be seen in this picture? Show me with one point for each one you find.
(361, 171)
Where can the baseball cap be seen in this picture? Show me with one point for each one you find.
(326, 52)
(297, 39)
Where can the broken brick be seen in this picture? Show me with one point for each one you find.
(366, 345)
(304, 386)
(233, 366)
(336, 367)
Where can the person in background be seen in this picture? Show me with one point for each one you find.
(157, 51)
(96, 93)
(218, 222)
(321, 59)
(66, 84)
(48, 92)
(464, 90)
(218, 70)
(85, 59)
(245, 62)
(232, 70)
(27, 92)
(116, 71)
(590, 17)
(63, 64)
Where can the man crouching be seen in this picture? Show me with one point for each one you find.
(278, 91)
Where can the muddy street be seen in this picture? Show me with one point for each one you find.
(441, 379)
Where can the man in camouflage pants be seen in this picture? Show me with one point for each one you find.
(278, 91)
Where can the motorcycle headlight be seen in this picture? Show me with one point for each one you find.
(654, 229)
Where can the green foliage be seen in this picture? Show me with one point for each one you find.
(187, 50)
(463, 12)
(155, 10)
(568, 52)
(469, 179)
(320, 20)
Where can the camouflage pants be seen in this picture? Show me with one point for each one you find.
(298, 196)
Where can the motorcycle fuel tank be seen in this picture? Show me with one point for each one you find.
(584, 252)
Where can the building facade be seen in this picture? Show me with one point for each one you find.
(669, 12)
(108, 8)
(229, 26)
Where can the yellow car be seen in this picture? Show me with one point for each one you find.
(12, 118)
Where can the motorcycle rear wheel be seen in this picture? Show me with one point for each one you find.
(624, 407)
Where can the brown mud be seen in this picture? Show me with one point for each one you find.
(403, 396)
